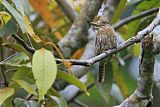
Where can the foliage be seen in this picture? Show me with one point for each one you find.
(40, 23)
(44, 69)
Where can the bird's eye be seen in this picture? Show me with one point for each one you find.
(103, 22)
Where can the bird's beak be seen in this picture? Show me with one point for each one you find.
(94, 25)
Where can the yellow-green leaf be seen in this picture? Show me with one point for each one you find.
(70, 78)
(9, 28)
(5, 93)
(26, 86)
(136, 49)
(61, 102)
(119, 10)
(49, 102)
(17, 60)
(1, 24)
(119, 78)
(54, 92)
(30, 30)
(19, 6)
(18, 48)
(21, 73)
(22, 20)
(15, 14)
(4, 18)
(44, 69)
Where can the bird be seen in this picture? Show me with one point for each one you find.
(105, 40)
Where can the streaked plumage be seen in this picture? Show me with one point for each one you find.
(105, 39)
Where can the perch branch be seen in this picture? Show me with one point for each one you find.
(140, 35)
(143, 93)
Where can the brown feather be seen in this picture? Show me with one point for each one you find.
(105, 39)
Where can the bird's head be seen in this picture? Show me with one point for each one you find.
(99, 24)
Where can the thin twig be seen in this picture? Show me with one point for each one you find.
(132, 18)
(6, 59)
(29, 40)
(4, 76)
(29, 97)
(3, 68)
(22, 42)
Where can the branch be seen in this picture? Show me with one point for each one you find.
(140, 35)
(77, 35)
(89, 52)
(131, 18)
(67, 8)
(143, 92)
(109, 9)
(22, 42)
(95, 59)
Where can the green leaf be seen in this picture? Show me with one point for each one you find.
(9, 102)
(21, 73)
(146, 21)
(142, 6)
(19, 6)
(4, 18)
(18, 102)
(119, 10)
(119, 78)
(61, 102)
(50, 102)
(30, 30)
(8, 29)
(44, 69)
(5, 93)
(70, 78)
(53, 92)
(18, 60)
(136, 49)
(26, 86)
(22, 20)
(16, 15)
(134, 2)
(18, 48)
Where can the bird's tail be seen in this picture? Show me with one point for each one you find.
(101, 76)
